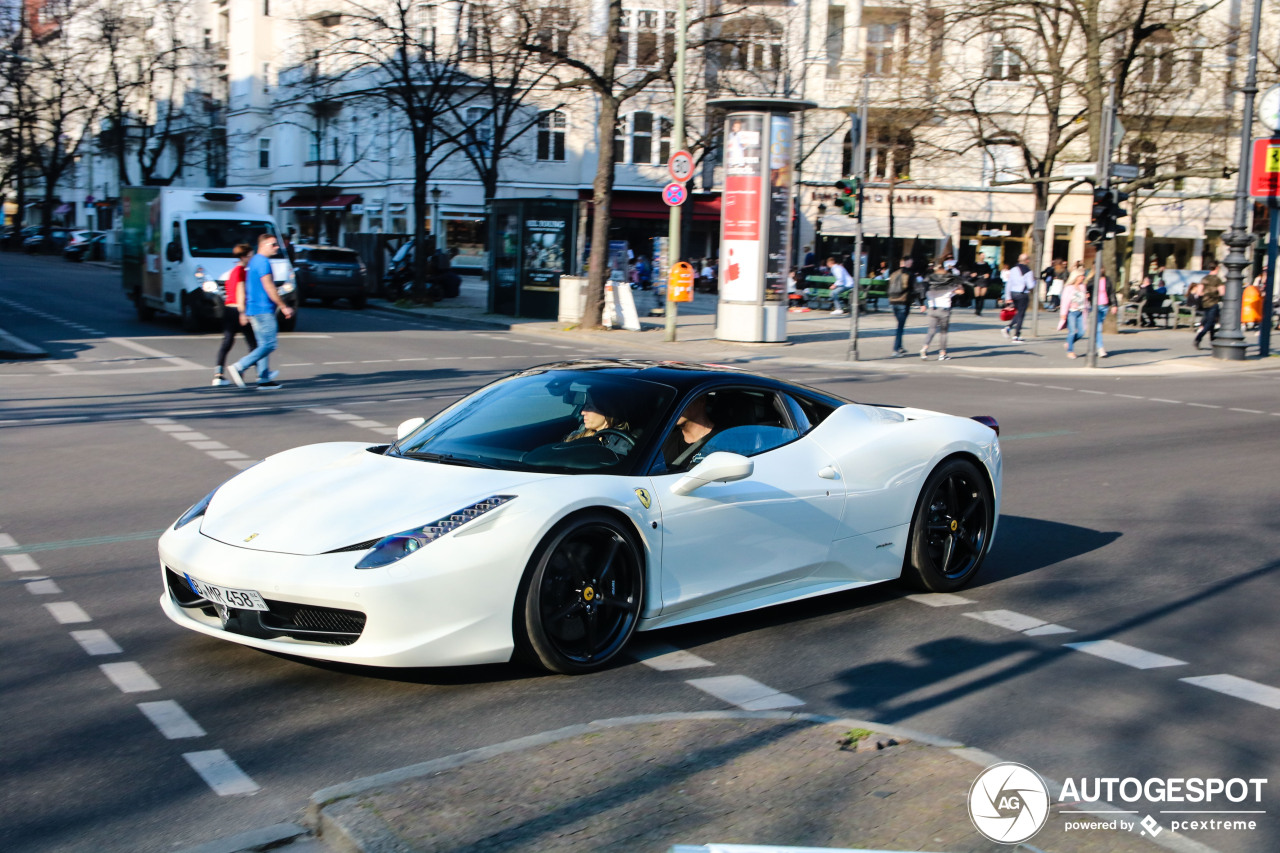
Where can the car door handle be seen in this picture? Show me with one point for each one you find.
(829, 473)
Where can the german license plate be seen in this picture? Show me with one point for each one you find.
(241, 599)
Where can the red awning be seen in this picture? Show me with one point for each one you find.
(337, 202)
(630, 204)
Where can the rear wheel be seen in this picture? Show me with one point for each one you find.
(951, 530)
(580, 598)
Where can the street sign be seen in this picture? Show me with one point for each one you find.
(674, 194)
(1080, 170)
(680, 166)
(680, 282)
(1269, 109)
(1264, 175)
(1124, 171)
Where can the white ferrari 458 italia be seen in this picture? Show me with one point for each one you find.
(550, 515)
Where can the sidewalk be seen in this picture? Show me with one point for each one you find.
(819, 338)
(645, 784)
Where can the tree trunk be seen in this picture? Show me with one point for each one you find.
(602, 192)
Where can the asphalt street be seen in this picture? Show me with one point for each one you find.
(1122, 626)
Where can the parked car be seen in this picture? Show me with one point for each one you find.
(13, 238)
(85, 245)
(46, 242)
(330, 272)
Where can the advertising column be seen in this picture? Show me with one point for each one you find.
(755, 224)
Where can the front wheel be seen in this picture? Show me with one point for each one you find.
(951, 531)
(581, 596)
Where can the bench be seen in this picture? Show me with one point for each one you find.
(1181, 309)
(817, 293)
(1164, 311)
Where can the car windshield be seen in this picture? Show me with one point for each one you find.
(559, 421)
(328, 256)
(216, 238)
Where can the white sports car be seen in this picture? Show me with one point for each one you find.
(552, 514)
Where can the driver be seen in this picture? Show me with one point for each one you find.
(694, 427)
(603, 423)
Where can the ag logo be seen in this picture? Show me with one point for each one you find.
(643, 495)
(1008, 803)
(251, 537)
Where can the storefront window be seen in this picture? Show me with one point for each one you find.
(468, 236)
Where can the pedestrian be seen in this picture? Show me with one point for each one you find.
(809, 257)
(980, 278)
(1106, 299)
(843, 284)
(1209, 290)
(1072, 306)
(940, 289)
(901, 289)
(1022, 285)
(644, 273)
(261, 301)
(232, 311)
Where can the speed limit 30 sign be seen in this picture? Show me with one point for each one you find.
(680, 166)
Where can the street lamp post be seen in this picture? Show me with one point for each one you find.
(436, 222)
(1229, 343)
(817, 231)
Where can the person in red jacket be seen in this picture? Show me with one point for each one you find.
(231, 311)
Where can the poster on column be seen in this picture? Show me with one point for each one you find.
(779, 222)
(741, 208)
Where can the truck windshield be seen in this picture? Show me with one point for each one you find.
(215, 238)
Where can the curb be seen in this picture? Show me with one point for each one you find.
(12, 346)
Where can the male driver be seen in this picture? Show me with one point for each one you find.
(261, 301)
(1022, 284)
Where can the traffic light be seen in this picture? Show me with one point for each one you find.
(850, 198)
(1104, 219)
(1097, 230)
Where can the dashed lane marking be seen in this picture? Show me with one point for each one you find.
(129, 676)
(67, 612)
(940, 599)
(172, 721)
(355, 420)
(1018, 622)
(200, 441)
(43, 586)
(96, 642)
(20, 563)
(1125, 654)
(1240, 688)
(220, 773)
(746, 693)
(669, 658)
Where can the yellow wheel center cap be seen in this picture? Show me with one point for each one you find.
(588, 594)
(954, 524)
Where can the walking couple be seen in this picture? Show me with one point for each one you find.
(251, 303)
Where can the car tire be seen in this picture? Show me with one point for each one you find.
(580, 598)
(190, 319)
(951, 529)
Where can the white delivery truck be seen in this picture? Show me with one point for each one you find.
(177, 244)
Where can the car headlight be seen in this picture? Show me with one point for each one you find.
(199, 274)
(397, 546)
(196, 510)
(285, 287)
(210, 286)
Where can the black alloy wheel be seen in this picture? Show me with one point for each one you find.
(581, 597)
(951, 530)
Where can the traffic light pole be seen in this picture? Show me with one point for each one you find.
(860, 172)
(1103, 183)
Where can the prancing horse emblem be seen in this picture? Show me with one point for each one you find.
(643, 495)
(251, 537)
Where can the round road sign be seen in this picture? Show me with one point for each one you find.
(674, 194)
(680, 166)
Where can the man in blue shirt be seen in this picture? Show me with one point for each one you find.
(261, 301)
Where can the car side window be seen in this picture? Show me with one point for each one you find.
(748, 421)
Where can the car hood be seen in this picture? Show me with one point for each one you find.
(319, 498)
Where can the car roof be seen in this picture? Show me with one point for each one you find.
(681, 375)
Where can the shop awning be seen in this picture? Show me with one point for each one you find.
(904, 227)
(62, 209)
(1175, 230)
(337, 202)
(631, 204)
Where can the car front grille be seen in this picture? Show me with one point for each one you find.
(329, 625)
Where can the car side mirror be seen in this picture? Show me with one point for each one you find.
(408, 427)
(719, 467)
(173, 252)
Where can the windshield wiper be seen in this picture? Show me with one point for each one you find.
(447, 459)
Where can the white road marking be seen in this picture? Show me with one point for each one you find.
(220, 773)
(1125, 654)
(1087, 391)
(242, 463)
(21, 562)
(343, 416)
(67, 612)
(748, 694)
(1044, 630)
(1240, 688)
(208, 445)
(227, 454)
(7, 541)
(170, 426)
(326, 411)
(364, 424)
(172, 721)
(189, 436)
(158, 423)
(667, 658)
(1247, 411)
(155, 353)
(1129, 396)
(1059, 388)
(1007, 619)
(940, 599)
(43, 586)
(129, 676)
(1162, 400)
(96, 642)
